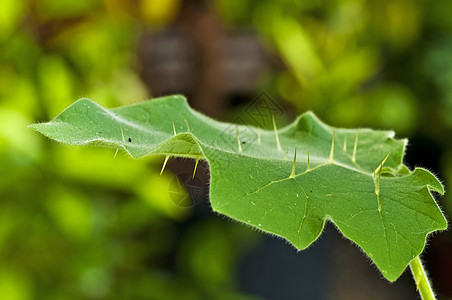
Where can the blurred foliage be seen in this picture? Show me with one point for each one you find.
(77, 224)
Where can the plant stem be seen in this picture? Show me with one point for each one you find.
(421, 279)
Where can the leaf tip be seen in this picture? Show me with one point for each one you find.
(35, 126)
(430, 180)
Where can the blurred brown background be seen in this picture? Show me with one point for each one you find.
(77, 224)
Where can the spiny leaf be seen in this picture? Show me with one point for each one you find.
(256, 178)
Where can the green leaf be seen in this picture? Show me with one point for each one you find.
(338, 174)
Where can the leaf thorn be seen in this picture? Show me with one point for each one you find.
(377, 186)
(381, 165)
(122, 133)
(292, 174)
(276, 133)
(332, 148)
(164, 164)
(188, 126)
(355, 146)
(174, 130)
(238, 139)
(196, 165)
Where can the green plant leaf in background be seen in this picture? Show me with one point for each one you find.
(287, 182)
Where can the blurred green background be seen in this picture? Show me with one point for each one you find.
(79, 223)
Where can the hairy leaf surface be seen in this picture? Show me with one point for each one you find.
(388, 211)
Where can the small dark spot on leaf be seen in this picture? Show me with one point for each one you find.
(130, 140)
(243, 142)
(311, 191)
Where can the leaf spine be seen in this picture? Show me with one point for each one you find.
(122, 134)
(238, 139)
(123, 140)
(174, 130)
(276, 133)
(196, 165)
(164, 164)
(332, 148)
(381, 165)
(292, 174)
(355, 146)
(188, 126)
(377, 186)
